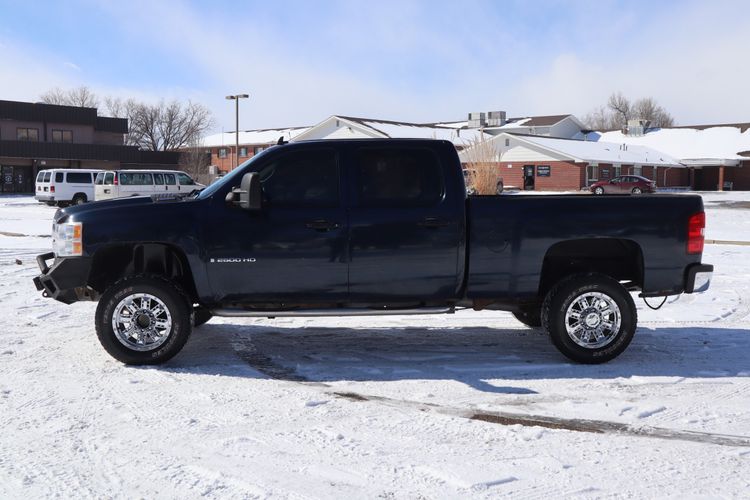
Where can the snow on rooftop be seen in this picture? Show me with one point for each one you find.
(603, 151)
(417, 131)
(265, 136)
(721, 142)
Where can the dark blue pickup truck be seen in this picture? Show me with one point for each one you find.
(370, 227)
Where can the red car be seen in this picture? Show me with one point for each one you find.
(634, 184)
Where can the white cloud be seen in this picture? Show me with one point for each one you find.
(72, 65)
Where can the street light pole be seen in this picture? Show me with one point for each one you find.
(236, 98)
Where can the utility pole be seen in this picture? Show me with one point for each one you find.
(236, 98)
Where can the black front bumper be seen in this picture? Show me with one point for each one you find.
(65, 280)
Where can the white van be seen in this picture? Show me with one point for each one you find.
(65, 186)
(123, 183)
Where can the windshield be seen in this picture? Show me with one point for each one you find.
(232, 178)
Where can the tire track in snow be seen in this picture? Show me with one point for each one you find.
(247, 351)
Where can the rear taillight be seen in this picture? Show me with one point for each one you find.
(116, 179)
(52, 189)
(696, 232)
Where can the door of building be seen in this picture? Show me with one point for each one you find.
(14, 179)
(528, 177)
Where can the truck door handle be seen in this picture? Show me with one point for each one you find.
(433, 222)
(322, 225)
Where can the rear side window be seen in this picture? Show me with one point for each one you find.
(170, 180)
(302, 179)
(159, 179)
(99, 179)
(79, 178)
(59, 176)
(399, 177)
(136, 179)
(47, 176)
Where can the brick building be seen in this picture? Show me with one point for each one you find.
(557, 164)
(222, 147)
(36, 136)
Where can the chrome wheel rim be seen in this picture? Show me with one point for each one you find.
(637, 191)
(141, 322)
(593, 320)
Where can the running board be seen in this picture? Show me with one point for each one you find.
(319, 313)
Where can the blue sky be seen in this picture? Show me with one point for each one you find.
(410, 60)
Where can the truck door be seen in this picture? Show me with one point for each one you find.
(294, 249)
(405, 230)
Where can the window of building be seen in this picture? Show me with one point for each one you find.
(507, 143)
(27, 134)
(257, 150)
(222, 152)
(302, 179)
(243, 152)
(617, 170)
(399, 177)
(638, 170)
(62, 135)
(78, 178)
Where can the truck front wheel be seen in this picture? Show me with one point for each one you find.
(591, 318)
(143, 320)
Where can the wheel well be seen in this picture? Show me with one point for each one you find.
(620, 259)
(113, 263)
(80, 194)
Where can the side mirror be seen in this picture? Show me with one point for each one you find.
(249, 195)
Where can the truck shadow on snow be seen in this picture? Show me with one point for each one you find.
(471, 355)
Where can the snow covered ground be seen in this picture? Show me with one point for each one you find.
(471, 404)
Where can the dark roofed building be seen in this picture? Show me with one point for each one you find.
(37, 136)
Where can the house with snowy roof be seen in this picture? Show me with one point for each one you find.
(567, 164)
(713, 156)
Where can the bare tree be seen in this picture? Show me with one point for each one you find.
(620, 109)
(156, 127)
(168, 126)
(54, 96)
(648, 109)
(480, 159)
(81, 97)
(620, 106)
(195, 161)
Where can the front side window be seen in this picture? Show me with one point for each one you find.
(27, 134)
(79, 178)
(62, 135)
(302, 179)
(185, 179)
(399, 177)
(159, 179)
(170, 179)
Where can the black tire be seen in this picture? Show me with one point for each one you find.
(637, 190)
(529, 316)
(499, 187)
(175, 303)
(79, 199)
(572, 289)
(599, 190)
(201, 316)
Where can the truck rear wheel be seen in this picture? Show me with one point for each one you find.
(143, 320)
(591, 318)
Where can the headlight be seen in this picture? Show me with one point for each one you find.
(67, 239)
